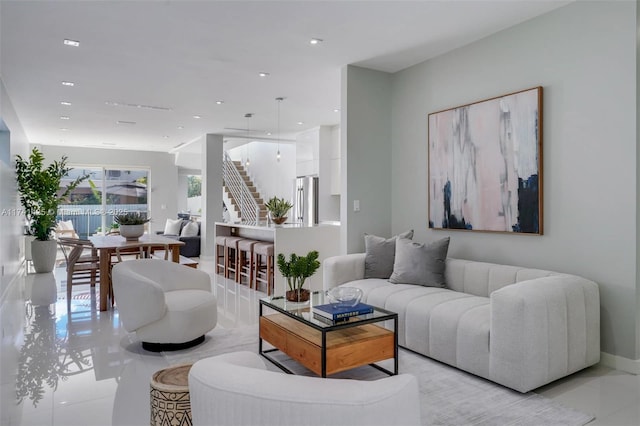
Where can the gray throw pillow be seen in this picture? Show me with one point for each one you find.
(380, 254)
(421, 264)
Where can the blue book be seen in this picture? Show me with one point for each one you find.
(335, 311)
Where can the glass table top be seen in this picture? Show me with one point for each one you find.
(303, 311)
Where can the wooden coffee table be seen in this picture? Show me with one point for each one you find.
(326, 348)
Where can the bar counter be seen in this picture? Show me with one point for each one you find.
(289, 238)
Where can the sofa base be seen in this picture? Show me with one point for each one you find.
(161, 347)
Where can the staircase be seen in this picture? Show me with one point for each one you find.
(241, 198)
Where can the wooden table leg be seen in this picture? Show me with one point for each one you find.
(175, 253)
(105, 277)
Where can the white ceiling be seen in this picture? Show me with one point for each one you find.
(186, 55)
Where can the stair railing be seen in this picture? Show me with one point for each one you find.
(249, 209)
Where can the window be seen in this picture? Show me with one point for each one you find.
(106, 193)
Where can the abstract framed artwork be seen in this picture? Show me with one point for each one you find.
(485, 165)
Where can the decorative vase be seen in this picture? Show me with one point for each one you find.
(278, 220)
(132, 232)
(43, 254)
(301, 295)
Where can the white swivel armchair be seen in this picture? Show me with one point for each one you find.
(168, 305)
(236, 389)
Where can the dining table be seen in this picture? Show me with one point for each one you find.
(107, 245)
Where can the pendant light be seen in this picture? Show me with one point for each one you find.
(248, 116)
(278, 154)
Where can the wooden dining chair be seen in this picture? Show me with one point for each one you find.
(81, 268)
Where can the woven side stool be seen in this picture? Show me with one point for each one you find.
(170, 400)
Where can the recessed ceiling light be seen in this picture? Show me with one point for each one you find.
(180, 127)
(68, 83)
(197, 116)
(73, 43)
(65, 103)
(336, 110)
(268, 133)
(300, 123)
(263, 74)
(219, 102)
(63, 129)
(315, 41)
(65, 117)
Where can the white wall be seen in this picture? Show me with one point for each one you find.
(11, 221)
(11, 301)
(163, 175)
(328, 155)
(365, 146)
(584, 55)
(271, 177)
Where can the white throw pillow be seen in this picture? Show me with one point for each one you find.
(172, 226)
(190, 230)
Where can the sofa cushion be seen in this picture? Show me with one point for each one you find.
(190, 229)
(380, 254)
(172, 226)
(419, 263)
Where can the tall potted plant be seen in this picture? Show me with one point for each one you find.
(296, 270)
(40, 196)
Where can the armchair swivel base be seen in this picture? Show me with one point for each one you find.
(162, 347)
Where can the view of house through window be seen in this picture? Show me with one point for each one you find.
(106, 193)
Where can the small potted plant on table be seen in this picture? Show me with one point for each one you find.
(296, 271)
(131, 225)
(278, 209)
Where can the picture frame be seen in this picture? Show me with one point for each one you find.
(485, 165)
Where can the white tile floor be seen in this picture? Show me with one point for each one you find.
(82, 368)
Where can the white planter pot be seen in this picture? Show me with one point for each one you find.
(132, 232)
(43, 254)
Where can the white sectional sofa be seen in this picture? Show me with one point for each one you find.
(519, 327)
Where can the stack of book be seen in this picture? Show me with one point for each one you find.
(336, 312)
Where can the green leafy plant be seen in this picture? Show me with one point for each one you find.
(130, 218)
(298, 268)
(278, 207)
(40, 191)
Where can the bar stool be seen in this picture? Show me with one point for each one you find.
(263, 267)
(220, 250)
(245, 261)
(231, 256)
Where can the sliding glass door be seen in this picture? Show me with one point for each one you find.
(107, 192)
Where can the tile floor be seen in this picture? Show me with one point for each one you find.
(81, 367)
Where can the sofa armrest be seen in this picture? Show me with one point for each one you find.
(543, 329)
(342, 269)
(187, 239)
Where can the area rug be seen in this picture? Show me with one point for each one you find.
(448, 396)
